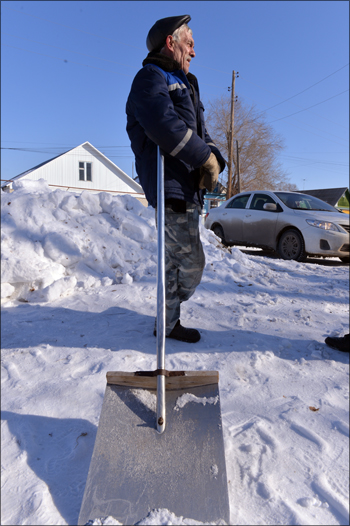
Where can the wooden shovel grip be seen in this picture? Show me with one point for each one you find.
(189, 379)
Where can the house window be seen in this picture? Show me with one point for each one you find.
(88, 172)
(85, 171)
(81, 172)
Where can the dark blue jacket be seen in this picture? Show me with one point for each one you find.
(164, 109)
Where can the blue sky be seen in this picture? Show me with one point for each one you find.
(67, 68)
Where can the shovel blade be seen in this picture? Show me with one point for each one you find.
(135, 470)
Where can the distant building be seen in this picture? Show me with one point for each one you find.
(337, 197)
(214, 199)
(82, 168)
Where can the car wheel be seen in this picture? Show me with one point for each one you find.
(291, 246)
(218, 231)
(345, 259)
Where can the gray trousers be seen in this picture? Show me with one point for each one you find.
(184, 259)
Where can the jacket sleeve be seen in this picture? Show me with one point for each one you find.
(154, 110)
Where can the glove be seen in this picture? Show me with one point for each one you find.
(209, 173)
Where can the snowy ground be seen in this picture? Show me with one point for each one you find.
(79, 299)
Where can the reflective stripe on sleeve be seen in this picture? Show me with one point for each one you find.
(173, 87)
(182, 144)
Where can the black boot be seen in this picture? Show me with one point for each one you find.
(183, 334)
(341, 344)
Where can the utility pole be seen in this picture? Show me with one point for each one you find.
(238, 175)
(230, 149)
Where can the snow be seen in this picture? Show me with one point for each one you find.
(148, 399)
(79, 299)
(159, 516)
(189, 397)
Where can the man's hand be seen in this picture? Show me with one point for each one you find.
(209, 173)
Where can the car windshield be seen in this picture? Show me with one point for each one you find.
(304, 202)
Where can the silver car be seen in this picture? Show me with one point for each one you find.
(295, 225)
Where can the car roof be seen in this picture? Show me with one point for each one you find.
(271, 192)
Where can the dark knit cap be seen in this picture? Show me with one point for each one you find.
(162, 28)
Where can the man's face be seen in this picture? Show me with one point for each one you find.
(183, 50)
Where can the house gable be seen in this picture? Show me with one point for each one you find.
(63, 172)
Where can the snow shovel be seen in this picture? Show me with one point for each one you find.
(159, 442)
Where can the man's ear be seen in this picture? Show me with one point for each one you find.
(169, 43)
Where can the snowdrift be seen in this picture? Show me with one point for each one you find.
(54, 243)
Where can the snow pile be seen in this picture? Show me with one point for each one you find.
(79, 299)
(54, 243)
(165, 517)
(110, 521)
(160, 517)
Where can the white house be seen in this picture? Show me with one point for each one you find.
(83, 168)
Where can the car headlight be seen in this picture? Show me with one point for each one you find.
(325, 225)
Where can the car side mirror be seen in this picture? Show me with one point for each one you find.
(270, 207)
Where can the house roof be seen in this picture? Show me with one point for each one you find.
(329, 195)
(40, 165)
(121, 174)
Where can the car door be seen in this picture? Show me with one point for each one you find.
(232, 217)
(259, 225)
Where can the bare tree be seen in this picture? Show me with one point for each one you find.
(258, 146)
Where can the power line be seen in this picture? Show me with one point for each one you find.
(322, 168)
(324, 153)
(32, 142)
(63, 150)
(306, 124)
(259, 116)
(111, 155)
(309, 126)
(123, 155)
(276, 95)
(68, 147)
(115, 147)
(57, 147)
(333, 163)
(306, 89)
(318, 103)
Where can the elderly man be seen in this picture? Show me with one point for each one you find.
(164, 109)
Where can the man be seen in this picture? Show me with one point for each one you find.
(164, 109)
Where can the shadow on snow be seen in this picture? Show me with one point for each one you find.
(58, 451)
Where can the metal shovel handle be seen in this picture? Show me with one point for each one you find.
(160, 295)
